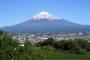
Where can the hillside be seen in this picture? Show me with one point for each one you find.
(45, 22)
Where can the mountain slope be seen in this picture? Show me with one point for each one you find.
(45, 22)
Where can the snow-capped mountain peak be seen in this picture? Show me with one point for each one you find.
(45, 22)
(44, 15)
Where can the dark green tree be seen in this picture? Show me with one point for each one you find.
(49, 41)
(7, 47)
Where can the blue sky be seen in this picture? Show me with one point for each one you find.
(16, 11)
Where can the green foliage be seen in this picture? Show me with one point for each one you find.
(1, 32)
(48, 47)
(73, 46)
(65, 44)
(82, 43)
(49, 41)
(88, 47)
(27, 43)
(7, 47)
(78, 50)
(77, 46)
(10, 49)
(47, 50)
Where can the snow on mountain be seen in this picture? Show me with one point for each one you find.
(46, 22)
(44, 15)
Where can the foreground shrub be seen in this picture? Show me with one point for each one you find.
(65, 44)
(77, 46)
(77, 50)
(72, 46)
(88, 47)
(82, 43)
(48, 47)
(7, 47)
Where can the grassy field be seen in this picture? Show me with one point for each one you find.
(56, 55)
(12, 50)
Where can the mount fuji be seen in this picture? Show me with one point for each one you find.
(46, 22)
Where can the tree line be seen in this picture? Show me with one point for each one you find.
(12, 50)
(77, 46)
